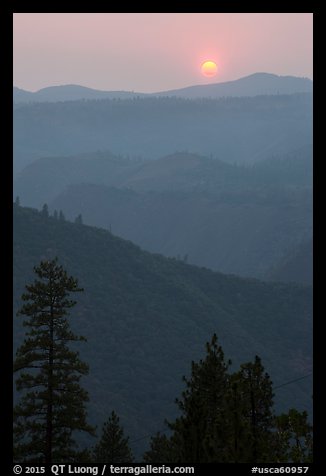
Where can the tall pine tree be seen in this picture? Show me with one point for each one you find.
(161, 450)
(52, 407)
(113, 446)
(251, 417)
(200, 432)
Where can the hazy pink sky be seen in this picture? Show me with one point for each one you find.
(148, 52)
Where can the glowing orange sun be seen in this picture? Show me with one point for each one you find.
(209, 68)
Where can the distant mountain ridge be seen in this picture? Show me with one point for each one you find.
(252, 85)
(181, 171)
(69, 92)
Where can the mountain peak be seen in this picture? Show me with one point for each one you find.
(255, 84)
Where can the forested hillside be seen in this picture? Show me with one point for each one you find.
(240, 130)
(244, 233)
(177, 172)
(231, 218)
(146, 317)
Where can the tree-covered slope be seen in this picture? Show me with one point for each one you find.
(236, 129)
(146, 317)
(231, 218)
(244, 233)
(46, 178)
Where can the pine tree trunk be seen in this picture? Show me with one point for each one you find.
(253, 421)
(49, 411)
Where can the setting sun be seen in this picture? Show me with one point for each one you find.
(209, 68)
